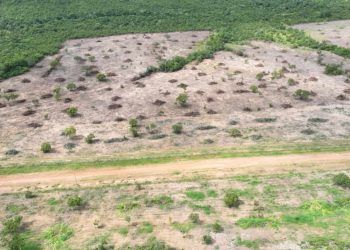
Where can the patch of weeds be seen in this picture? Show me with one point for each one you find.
(145, 228)
(182, 99)
(100, 242)
(75, 202)
(254, 222)
(163, 201)
(127, 206)
(253, 244)
(234, 132)
(212, 193)
(207, 209)
(123, 231)
(301, 94)
(333, 69)
(183, 227)
(52, 202)
(14, 208)
(194, 218)
(217, 228)
(195, 195)
(151, 244)
(325, 242)
(177, 128)
(266, 119)
(341, 180)
(252, 180)
(46, 147)
(317, 120)
(57, 235)
(208, 240)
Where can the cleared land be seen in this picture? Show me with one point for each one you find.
(250, 93)
(335, 32)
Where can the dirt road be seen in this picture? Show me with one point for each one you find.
(215, 168)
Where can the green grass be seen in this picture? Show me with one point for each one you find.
(27, 33)
(57, 235)
(263, 149)
(183, 227)
(145, 228)
(253, 222)
(195, 195)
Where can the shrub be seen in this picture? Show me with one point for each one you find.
(57, 234)
(145, 228)
(71, 86)
(194, 218)
(207, 239)
(182, 99)
(278, 74)
(291, 82)
(217, 228)
(254, 89)
(55, 63)
(29, 195)
(177, 128)
(163, 201)
(173, 64)
(234, 132)
(333, 69)
(10, 233)
(302, 94)
(57, 93)
(260, 76)
(10, 96)
(152, 128)
(75, 201)
(46, 147)
(341, 180)
(72, 111)
(195, 195)
(231, 199)
(89, 139)
(134, 127)
(101, 77)
(70, 132)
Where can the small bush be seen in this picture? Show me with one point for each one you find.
(278, 74)
(333, 69)
(55, 63)
(195, 195)
(75, 201)
(89, 139)
(29, 195)
(145, 228)
(177, 128)
(173, 64)
(341, 180)
(101, 77)
(134, 127)
(207, 239)
(217, 228)
(231, 199)
(70, 132)
(57, 93)
(10, 96)
(71, 86)
(72, 111)
(46, 147)
(254, 89)
(234, 132)
(194, 218)
(10, 233)
(182, 99)
(302, 94)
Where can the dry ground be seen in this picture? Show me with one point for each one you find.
(336, 32)
(224, 93)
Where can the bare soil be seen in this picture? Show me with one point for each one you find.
(224, 93)
(336, 32)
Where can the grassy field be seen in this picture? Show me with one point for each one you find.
(27, 32)
(280, 211)
(143, 158)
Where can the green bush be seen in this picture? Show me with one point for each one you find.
(57, 93)
(217, 228)
(89, 139)
(173, 64)
(302, 94)
(46, 147)
(55, 63)
(207, 239)
(29, 195)
(75, 201)
(182, 99)
(254, 89)
(194, 218)
(134, 127)
(333, 69)
(341, 180)
(70, 132)
(234, 132)
(177, 128)
(72, 111)
(101, 77)
(10, 233)
(71, 86)
(231, 199)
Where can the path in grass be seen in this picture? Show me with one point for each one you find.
(210, 167)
